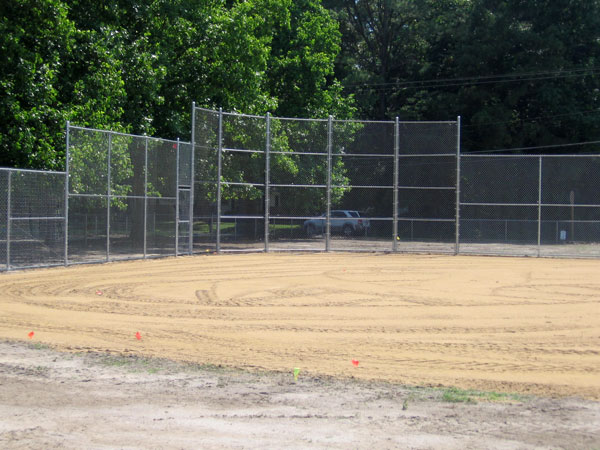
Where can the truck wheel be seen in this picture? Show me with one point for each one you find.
(348, 230)
(311, 230)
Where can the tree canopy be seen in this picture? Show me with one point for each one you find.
(136, 66)
(520, 73)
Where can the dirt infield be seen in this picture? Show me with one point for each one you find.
(530, 326)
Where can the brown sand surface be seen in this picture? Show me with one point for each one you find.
(498, 324)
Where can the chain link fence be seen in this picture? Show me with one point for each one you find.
(204, 168)
(530, 205)
(122, 196)
(32, 212)
(363, 170)
(262, 183)
(324, 184)
(297, 187)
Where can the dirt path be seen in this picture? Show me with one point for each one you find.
(530, 326)
(56, 400)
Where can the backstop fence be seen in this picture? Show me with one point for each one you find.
(269, 184)
(262, 183)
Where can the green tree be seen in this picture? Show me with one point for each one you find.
(554, 46)
(382, 44)
(301, 64)
(35, 37)
(519, 73)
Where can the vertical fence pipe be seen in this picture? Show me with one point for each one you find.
(192, 179)
(267, 180)
(66, 230)
(177, 199)
(539, 230)
(219, 168)
(145, 197)
(108, 200)
(8, 212)
(396, 174)
(328, 214)
(457, 232)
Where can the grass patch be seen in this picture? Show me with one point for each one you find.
(39, 346)
(456, 395)
(133, 365)
(116, 361)
(138, 364)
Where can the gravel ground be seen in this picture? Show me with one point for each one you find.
(51, 399)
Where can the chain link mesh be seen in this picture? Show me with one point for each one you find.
(362, 200)
(298, 183)
(535, 205)
(205, 162)
(122, 196)
(427, 186)
(570, 212)
(36, 218)
(242, 182)
(3, 218)
(499, 196)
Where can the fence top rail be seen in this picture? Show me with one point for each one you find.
(427, 122)
(174, 141)
(426, 155)
(240, 150)
(401, 122)
(254, 116)
(205, 109)
(544, 155)
(14, 169)
(250, 116)
(532, 220)
(299, 119)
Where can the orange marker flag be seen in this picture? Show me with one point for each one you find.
(31, 333)
(355, 362)
(138, 336)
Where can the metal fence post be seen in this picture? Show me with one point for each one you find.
(396, 174)
(219, 168)
(457, 241)
(108, 200)
(539, 230)
(8, 211)
(66, 230)
(328, 214)
(177, 199)
(267, 180)
(145, 197)
(192, 180)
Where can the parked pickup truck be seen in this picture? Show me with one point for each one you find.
(343, 221)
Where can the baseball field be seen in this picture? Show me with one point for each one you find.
(505, 325)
